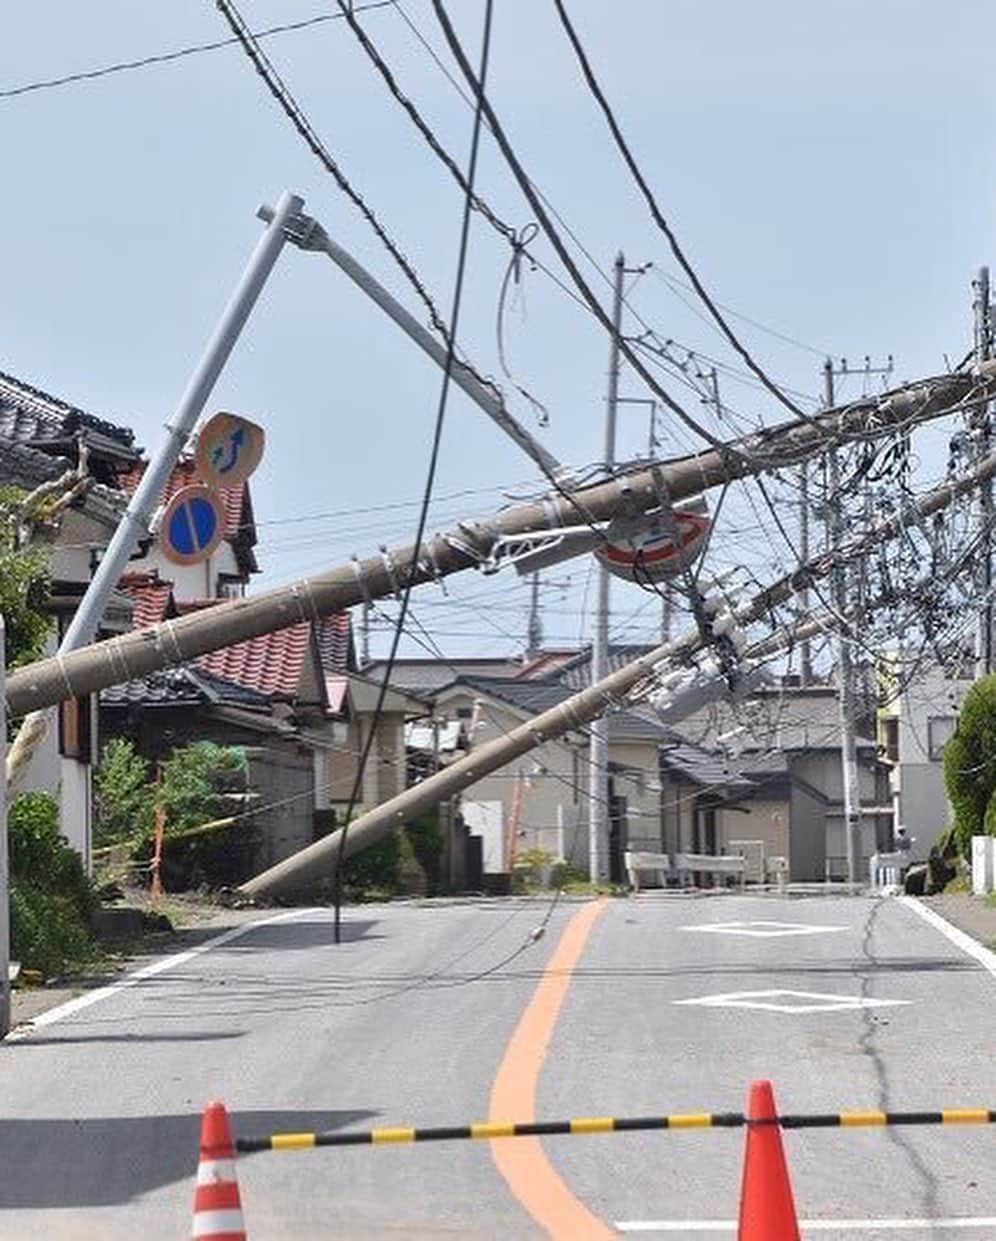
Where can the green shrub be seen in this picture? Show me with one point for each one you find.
(51, 898)
(970, 763)
(194, 778)
(123, 796)
(374, 872)
(426, 841)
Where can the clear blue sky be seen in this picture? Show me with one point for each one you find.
(833, 178)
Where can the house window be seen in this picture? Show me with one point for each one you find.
(74, 729)
(939, 729)
(464, 713)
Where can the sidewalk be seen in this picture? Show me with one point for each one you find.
(971, 914)
(201, 919)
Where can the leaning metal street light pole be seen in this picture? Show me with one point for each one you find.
(134, 524)
(309, 235)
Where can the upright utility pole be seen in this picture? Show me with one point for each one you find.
(598, 776)
(534, 629)
(846, 698)
(365, 634)
(982, 308)
(804, 597)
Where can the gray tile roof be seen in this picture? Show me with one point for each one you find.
(703, 767)
(577, 673)
(537, 696)
(177, 687)
(26, 467)
(424, 676)
(29, 414)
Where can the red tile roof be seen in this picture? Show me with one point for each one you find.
(335, 636)
(273, 663)
(543, 663)
(234, 499)
(151, 596)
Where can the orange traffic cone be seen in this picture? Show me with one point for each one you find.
(217, 1206)
(767, 1212)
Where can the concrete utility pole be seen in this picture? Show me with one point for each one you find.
(4, 867)
(636, 494)
(598, 756)
(534, 628)
(804, 598)
(319, 859)
(846, 698)
(982, 307)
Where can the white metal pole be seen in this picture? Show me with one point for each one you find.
(312, 236)
(598, 775)
(135, 523)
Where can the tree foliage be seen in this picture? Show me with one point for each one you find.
(190, 788)
(24, 585)
(194, 779)
(970, 764)
(123, 796)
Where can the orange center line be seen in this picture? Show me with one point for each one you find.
(523, 1163)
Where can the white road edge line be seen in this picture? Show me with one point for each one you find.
(808, 1225)
(966, 943)
(147, 971)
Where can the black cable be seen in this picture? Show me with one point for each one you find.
(555, 239)
(163, 58)
(660, 221)
(433, 462)
(306, 130)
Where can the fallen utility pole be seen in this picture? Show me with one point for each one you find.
(317, 859)
(635, 495)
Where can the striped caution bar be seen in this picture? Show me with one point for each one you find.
(489, 1130)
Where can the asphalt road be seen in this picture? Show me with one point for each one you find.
(875, 1008)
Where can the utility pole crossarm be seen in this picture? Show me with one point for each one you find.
(635, 494)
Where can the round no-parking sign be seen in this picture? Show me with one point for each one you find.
(192, 526)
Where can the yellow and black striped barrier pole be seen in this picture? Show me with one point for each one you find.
(489, 1130)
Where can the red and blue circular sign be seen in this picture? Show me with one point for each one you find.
(193, 525)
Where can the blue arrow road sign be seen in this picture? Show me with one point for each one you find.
(225, 456)
(192, 525)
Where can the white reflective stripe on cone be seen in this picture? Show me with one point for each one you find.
(217, 1223)
(216, 1171)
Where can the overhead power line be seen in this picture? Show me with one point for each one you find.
(554, 237)
(437, 436)
(658, 216)
(164, 58)
(306, 130)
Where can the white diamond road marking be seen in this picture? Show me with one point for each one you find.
(764, 930)
(782, 1001)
